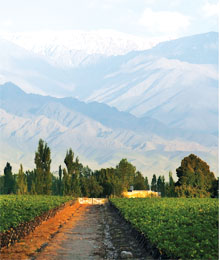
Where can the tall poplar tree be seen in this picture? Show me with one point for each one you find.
(154, 183)
(43, 175)
(171, 186)
(146, 183)
(71, 178)
(161, 185)
(21, 182)
(60, 189)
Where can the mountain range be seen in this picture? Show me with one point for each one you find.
(151, 106)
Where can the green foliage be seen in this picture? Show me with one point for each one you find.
(21, 182)
(17, 209)
(2, 185)
(170, 187)
(69, 161)
(9, 180)
(72, 175)
(180, 228)
(31, 178)
(139, 181)
(125, 172)
(95, 190)
(215, 188)
(195, 178)
(60, 185)
(107, 179)
(146, 183)
(154, 183)
(161, 185)
(42, 160)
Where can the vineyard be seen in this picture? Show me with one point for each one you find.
(179, 228)
(21, 214)
(176, 228)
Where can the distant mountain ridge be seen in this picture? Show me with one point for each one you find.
(100, 139)
(74, 47)
(152, 106)
(195, 49)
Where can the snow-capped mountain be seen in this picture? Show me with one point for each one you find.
(74, 48)
(33, 72)
(160, 104)
(67, 122)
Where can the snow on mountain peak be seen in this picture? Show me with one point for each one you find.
(71, 47)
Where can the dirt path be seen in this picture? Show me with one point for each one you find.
(94, 233)
(78, 231)
(80, 239)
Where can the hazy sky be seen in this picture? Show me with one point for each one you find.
(138, 17)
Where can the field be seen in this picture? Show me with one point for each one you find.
(15, 210)
(179, 228)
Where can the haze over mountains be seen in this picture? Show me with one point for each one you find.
(166, 99)
(74, 47)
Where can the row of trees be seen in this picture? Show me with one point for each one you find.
(194, 178)
(166, 189)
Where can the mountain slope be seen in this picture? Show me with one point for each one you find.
(74, 48)
(165, 99)
(33, 72)
(97, 144)
(33, 105)
(171, 91)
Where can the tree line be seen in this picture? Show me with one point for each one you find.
(194, 178)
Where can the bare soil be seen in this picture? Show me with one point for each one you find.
(88, 232)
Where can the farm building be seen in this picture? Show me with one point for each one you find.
(140, 194)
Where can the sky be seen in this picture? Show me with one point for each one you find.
(145, 18)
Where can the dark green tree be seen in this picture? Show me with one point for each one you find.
(125, 172)
(85, 174)
(73, 174)
(2, 185)
(66, 183)
(55, 185)
(139, 181)
(146, 183)
(194, 178)
(33, 189)
(31, 179)
(170, 188)
(9, 180)
(161, 185)
(215, 188)
(76, 187)
(69, 161)
(43, 175)
(60, 186)
(95, 190)
(85, 186)
(154, 183)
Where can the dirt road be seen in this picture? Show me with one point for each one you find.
(94, 233)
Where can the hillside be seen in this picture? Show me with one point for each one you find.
(150, 105)
(100, 139)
